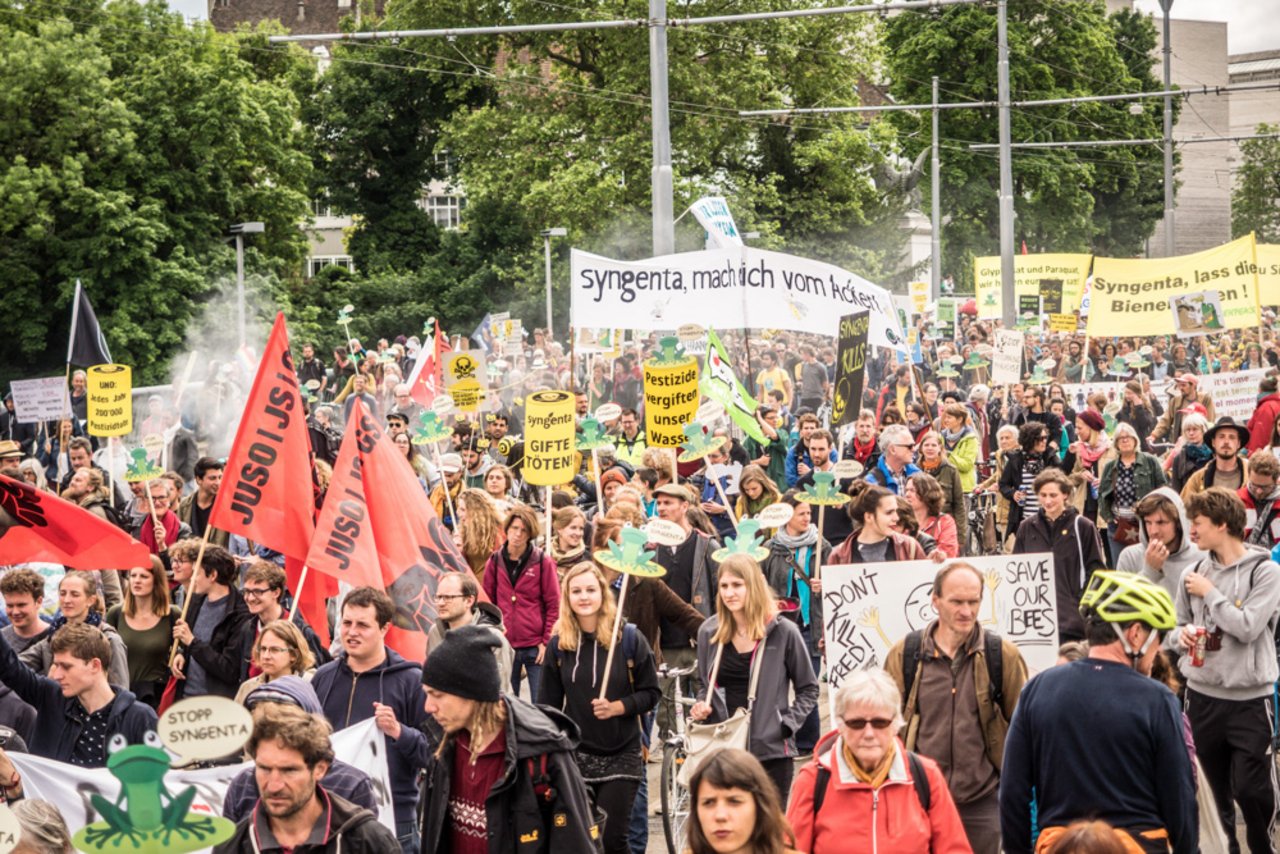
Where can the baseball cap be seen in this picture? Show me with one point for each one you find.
(1185, 377)
(450, 462)
(1196, 408)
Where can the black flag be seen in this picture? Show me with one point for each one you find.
(87, 346)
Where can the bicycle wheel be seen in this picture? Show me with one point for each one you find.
(676, 802)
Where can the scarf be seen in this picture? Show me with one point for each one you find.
(876, 776)
(862, 452)
(147, 535)
(1198, 454)
(801, 547)
(930, 467)
(563, 558)
(1090, 454)
(950, 440)
(93, 618)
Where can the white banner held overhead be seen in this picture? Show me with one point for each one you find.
(870, 607)
(713, 214)
(728, 289)
(45, 399)
(68, 787)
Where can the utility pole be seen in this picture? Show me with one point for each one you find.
(1010, 312)
(664, 229)
(1167, 50)
(935, 205)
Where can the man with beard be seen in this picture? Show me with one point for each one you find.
(196, 507)
(457, 605)
(291, 754)
(1226, 468)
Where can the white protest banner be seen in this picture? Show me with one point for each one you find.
(68, 787)
(1078, 393)
(870, 607)
(713, 214)
(45, 399)
(1006, 357)
(751, 288)
(1234, 393)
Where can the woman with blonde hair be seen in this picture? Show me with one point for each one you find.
(479, 529)
(145, 623)
(573, 673)
(751, 659)
(568, 525)
(280, 650)
(756, 491)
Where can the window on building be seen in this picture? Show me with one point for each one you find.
(445, 210)
(316, 263)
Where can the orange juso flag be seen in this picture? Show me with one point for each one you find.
(377, 528)
(266, 493)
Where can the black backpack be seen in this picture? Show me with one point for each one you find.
(992, 651)
(918, 779)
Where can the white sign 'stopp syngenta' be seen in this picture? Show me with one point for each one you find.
(729, 289)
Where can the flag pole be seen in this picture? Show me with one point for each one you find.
(155, 519)
(613, 643)
(71, 345)
(190, 585)
(297, 594)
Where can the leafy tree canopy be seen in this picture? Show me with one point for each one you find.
(1255, 201)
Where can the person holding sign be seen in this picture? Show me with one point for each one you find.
(955, 715)
(752, 659)
(795, 554)
(604, 702)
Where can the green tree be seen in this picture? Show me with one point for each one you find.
(131, 142)
(1255, 200)
(1092, 199)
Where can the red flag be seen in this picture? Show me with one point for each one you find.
(1024, 247)
(309, 600)
(266, 487)
(378, 528)
(39, 526)
(424, 381)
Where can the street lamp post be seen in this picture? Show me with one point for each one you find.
(239, 230)
(547, 234)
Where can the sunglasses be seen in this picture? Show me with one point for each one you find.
(859, 724)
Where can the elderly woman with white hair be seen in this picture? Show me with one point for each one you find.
(1132, 474)
(864, 791)
(1190, 453)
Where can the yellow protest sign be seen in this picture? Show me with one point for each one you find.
(1187, 294)
(110, 404)
(1062, 323)
(670, 395)
(548, 438)
(464, 379)
(919, 296)
(1069, 268)
(1269, 273)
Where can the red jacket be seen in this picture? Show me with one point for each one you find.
(1262, 422)
(529, 609)
(888, 820)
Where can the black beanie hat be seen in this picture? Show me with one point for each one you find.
(464, 664)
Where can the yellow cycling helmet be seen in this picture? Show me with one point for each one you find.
(1124, 597)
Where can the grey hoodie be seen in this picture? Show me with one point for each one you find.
(1243, 603)
(1182, 555)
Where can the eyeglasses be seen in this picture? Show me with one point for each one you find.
(859, 724)
(255, 592)
(272, 650)
(445, 597)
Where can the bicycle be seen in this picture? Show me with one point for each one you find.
(979, 506)
(676, 800)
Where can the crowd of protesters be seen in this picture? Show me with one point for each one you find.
(1159, 516)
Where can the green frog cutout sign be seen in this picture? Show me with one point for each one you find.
(147, 818)
(745, 543)
(430, 429)
(139, 469)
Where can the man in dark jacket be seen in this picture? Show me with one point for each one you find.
(1060, 529)
(78, 713)
(291, 754)
(217, 636)
(522, 790)
(368, 680)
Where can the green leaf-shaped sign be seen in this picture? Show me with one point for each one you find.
(591, 435)
(823, 490)
(430, 429)
(745, 543)
(698, 443)
(140, 468)
(630, 557)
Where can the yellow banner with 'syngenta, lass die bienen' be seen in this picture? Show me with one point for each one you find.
(1269, 273)
(1187, 294)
